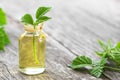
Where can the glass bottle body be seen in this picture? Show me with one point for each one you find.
(32, 52)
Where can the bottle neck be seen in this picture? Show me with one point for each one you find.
(35, 32)
(29, 29)
(32, 29)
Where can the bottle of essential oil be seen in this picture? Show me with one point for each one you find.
(32, 43)
(32, 51)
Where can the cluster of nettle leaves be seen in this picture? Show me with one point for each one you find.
(40, 17)
(109, 55)
(4, 40)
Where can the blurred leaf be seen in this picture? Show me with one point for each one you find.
(3, 35)
(6, 38)
(117, 45)
(2, 17)
(1, 41)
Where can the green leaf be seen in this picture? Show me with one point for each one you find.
(113, 53)
(6, 38)
(100, 53)
(117, 45)
(1, 27)
(103, 53)
(27, 19)
(3, 36)
(96, 71)
(98, 68)
(103, 61)
(41, 19)
(109, 44)
(81, 61)
(42, 11)
(103, 45)
(1, 41)
(2, 17)
(115, 56)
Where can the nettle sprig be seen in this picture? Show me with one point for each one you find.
(40, 18)
(4, 39)
(109, 55)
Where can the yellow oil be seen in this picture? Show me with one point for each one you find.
(27, 55)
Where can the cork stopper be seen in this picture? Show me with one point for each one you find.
(30, 28)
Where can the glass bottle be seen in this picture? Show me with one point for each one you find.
(32, 45)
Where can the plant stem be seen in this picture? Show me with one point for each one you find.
(115, 69)
(34, 49)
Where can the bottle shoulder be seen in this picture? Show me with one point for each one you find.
(30, 35)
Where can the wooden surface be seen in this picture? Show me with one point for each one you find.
(75, 27)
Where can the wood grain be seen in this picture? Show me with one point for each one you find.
(74, 30)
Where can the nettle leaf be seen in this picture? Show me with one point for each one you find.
(81, 61)
(42, 11)
(97, 70)
(100, 53)
(42, 19)
(103, 61)
(116, 59)
(27, 19)
(115, 56)
(108, 54)
(103, 45)
(109, 44)
(2, 17)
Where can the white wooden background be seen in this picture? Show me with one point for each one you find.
(75, 27)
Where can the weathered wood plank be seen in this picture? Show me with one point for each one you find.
(75, 28)
(58, 59)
